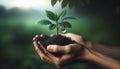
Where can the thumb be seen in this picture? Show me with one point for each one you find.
(57, 49)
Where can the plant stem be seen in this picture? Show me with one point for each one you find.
(57, 30)
(57, 27)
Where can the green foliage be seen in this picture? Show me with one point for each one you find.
(52, 26)
(53, 2)
(44, 22)
(71, 3)
(66, 18)
(51, 15)
(59, 0)
(62, 14)
(58, 20)
(67, 24)
(64, 3)
(17, 51)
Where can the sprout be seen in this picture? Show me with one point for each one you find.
(57, 21)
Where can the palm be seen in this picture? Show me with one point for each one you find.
(79, 39)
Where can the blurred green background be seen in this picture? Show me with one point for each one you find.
(98, 21)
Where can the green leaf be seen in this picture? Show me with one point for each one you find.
(64, 3)
(53, 2)
(62, 14)
(60, 0)
(52, 26)
(51, 15)
(44, 22)
(57, 17)
(67, 24)
(63, 29)
(71, 4)
(66, 18)
(61, 24)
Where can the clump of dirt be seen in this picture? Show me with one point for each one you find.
(55, 40)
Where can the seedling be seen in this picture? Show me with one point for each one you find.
(57, 21)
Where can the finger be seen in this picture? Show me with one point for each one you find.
(64, 60)
(43, 36)
(63, 35)
(35, 38)
(67, 35)
(77, 38)
(51, 59)
(68, 60)
(71, 56)
(38, 47)
(44, 55)
(41, 52)
(52, 35)
(47, 60)
(58, 49)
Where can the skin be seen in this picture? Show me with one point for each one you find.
(111, 51)
(81, 50)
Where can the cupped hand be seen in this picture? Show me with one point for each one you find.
(71, 53)
(78, 39)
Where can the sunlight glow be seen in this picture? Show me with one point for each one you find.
(27, 4)
(30, 3)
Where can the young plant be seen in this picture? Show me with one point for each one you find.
(57, 21)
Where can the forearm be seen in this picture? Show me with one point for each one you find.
(104, 61)
(112, 51)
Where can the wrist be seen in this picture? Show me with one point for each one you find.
(86, 55)
(103, 61)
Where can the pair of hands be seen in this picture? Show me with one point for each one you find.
(71, 53)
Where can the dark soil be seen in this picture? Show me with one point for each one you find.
(55, 40)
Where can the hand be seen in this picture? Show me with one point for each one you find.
(81, 50)
(71, 53)
(78, 39)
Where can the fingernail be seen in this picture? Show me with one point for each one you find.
(35, 46)
(49, 48)
(41, 35)
(37, 36)
(39, 42)
(34, 39)
(52, 35)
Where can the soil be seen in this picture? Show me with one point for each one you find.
(55, 40)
